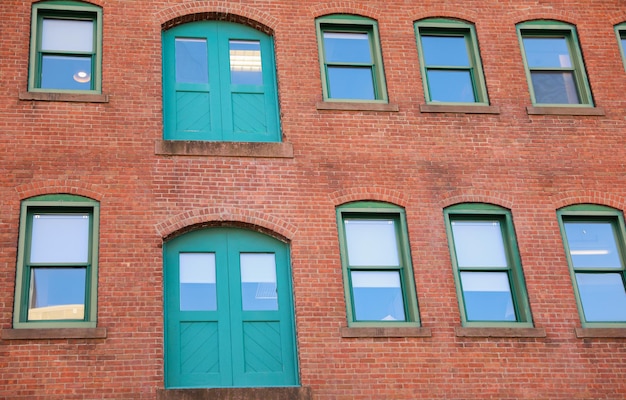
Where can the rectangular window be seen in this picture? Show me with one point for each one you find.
(594, 243)
(65, 52)
(350, 59)
(377, 270)
(57, 265)
(554, 64)
(450, 62)
(487, 266)
(620, 31)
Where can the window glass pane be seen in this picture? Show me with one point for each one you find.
(62, 72)
(377, 296)
(603, 297)
(258, 281)
(371, 242)
(479, 244)
(487, 296)
(555, 87)
(624, 44)
(60, 238)
(57, 293)
(347, 47)
(191, 61)
(245, 62)
(67, 35)
(197, 282)
(547, 52)
(351, 83)
(451, 86)
(445, 51)
(592, 245)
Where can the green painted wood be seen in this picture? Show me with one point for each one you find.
(225, 110)
(229, 347)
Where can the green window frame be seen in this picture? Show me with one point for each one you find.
(554, 64)
(65, 48)
(620, 32)
(219, 83)
(450, 62)
(350, 59)
(487, 267)
(594, 241)
(57, 265)
(376, 264)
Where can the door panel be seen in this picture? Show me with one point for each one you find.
(228, 310)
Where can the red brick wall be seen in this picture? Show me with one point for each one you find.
(531, 164)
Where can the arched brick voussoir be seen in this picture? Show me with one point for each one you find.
(217, 10)
(226, 216)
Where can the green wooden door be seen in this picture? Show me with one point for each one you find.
(228, 310)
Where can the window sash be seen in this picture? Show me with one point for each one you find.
(578, 95)
(83, 311)
(585, 278)
(78, 79)
(441, 28)
(351, 90)
(399, 307)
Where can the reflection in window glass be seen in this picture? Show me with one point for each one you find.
(479, 244)
(67, 35)
(371, 242)
(57, 293)
(377, 296)
(547, 52)
(602, 296)
(197, 282)
(451, 86)
(351, 83)
(445, 51)
(592, 244)
(60, 238)
(258, 282)
(347, 47)
(245, 62)
(191, 61)
(487, 296)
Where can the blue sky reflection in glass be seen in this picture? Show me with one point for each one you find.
(448, 69)
(349, 64)
(191, 61)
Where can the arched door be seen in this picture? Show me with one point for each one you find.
(228, 310)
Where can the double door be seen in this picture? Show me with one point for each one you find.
(228, 310)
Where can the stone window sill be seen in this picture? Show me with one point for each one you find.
(65, 97)
(54, 333)
(600, 333)
(224, 149)
(357, 106)
(590, 111)
(500, 332)
(274, 393)
(459, 109)
(348, 332)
